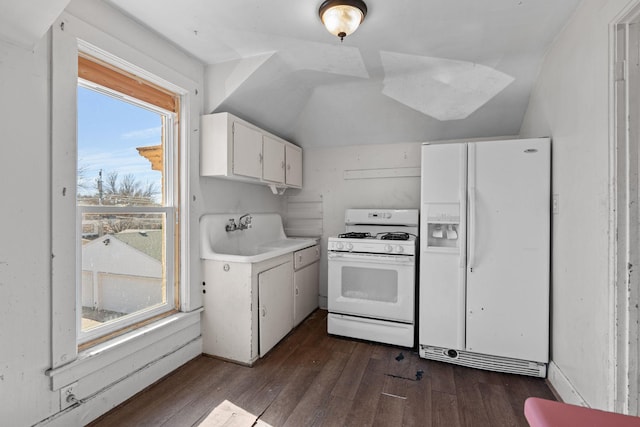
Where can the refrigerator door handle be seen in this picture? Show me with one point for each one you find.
(462, 196)
(471, 232)
(461, 315)
(472, 228)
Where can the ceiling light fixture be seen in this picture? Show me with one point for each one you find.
(342, 17)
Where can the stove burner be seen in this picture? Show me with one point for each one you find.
(354, 235)
(395, 236)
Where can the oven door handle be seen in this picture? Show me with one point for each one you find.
(371, 259)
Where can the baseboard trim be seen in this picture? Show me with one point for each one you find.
(115, 394)
(562, 387)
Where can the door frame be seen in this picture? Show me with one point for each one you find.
(624, 101)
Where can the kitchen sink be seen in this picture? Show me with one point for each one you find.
(262, 239)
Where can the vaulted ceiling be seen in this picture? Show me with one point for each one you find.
(416, 70)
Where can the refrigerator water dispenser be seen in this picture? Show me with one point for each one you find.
(442, 235)
(443, 226)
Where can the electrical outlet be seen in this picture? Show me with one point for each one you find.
(68, 396)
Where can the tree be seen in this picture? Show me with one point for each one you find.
(112, 190)
(83, 180)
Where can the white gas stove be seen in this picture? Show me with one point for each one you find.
(371, 280)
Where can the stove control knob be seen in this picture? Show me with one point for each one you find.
(399, 249)
(349, 246)
(388, 248)
(339, 245)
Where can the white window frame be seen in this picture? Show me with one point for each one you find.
(70, 36)
(170, 154)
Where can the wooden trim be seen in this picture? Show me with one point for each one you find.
(154, 154)
(107, 75)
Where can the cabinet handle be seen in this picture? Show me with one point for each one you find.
(289, 167)
(296, 291)
(260, 157)
(264, 312)
(299, 258)
(282, 164)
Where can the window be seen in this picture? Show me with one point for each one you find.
(127, 199)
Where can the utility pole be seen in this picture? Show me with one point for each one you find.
(100, 187)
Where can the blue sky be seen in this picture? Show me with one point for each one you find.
(109, 130)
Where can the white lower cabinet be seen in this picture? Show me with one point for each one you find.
(276, 310)
(249, 308)
(305, 282)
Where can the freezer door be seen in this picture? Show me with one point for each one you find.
(508, 249)
(442, 241)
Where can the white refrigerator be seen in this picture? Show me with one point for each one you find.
(484, 259)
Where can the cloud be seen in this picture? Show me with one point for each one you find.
(143, 133)
(123, 161)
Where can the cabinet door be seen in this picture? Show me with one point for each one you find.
(275, 288)
(294, 165)
(247, 151)
(305, 299)
(273, 160)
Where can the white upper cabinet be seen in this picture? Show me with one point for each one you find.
(273, 156)
(293, 155)
(233, 148)
(247, 151)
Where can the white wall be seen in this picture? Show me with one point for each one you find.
(224, 196)
(24, 230)
(571, 104)
(26, 395)
(323, 177)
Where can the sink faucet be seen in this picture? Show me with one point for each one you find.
(244, 222)
(231, 225)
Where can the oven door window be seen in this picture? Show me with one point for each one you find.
(370, 284)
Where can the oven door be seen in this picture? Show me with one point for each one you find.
(372, 285)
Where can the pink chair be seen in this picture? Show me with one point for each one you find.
(547, 413)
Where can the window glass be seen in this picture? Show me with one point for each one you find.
(125, 211)
(120, 152)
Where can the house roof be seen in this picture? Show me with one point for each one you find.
(146, 241)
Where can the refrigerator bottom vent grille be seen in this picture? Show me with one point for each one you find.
(484, 361)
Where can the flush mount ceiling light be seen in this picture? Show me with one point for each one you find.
(342, 17)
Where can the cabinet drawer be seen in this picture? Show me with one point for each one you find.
(306, 256)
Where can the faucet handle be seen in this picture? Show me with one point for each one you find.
(244, 222)
(231, 225)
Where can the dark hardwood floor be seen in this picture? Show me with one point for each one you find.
(312, 379)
